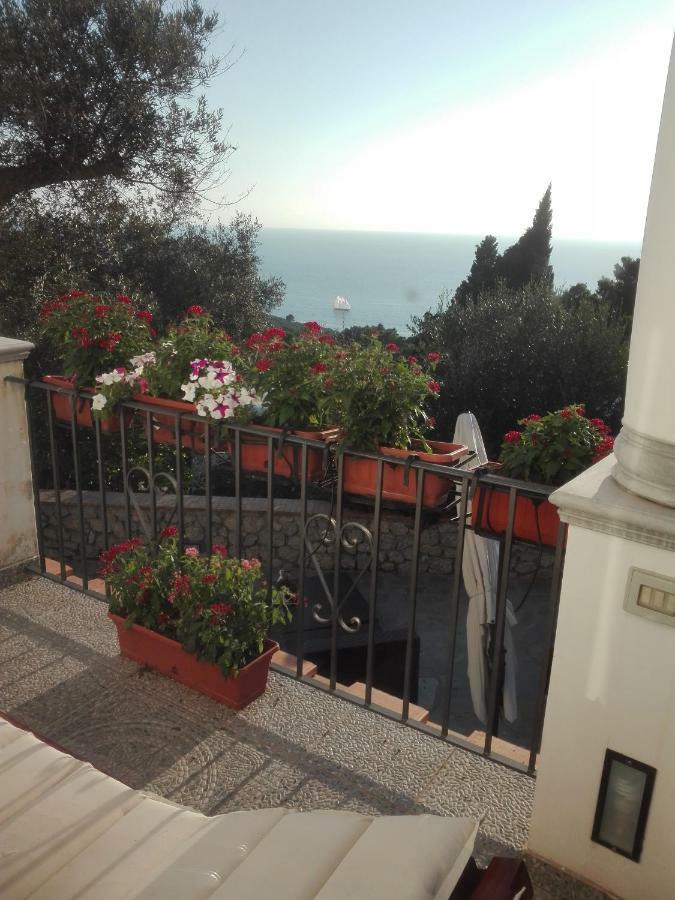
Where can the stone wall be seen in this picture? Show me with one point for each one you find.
(437, 541)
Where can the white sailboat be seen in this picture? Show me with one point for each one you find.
(342, 306)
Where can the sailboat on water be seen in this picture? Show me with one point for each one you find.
(341, 307)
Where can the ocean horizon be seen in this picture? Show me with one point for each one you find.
(388, 277)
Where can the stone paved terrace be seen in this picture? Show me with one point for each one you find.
(61, 676)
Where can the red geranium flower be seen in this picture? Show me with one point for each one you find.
(209, 579)
(123, 298)
(434, 387)
(194, 310)
(144, 314)
(318, 368)
(433, 357)
(220, 550)
(169, 532)
(392, 347)
(326, 339)
(312, 327)
(101, 311)
(263, 365)
(512, 437)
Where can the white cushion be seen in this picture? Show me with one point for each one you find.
(68, 831)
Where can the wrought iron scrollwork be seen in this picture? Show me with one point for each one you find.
(148, 522)
(321, 532)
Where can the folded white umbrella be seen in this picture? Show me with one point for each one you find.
(480, 570)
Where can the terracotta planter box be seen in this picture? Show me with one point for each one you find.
(359, 476)
(288, 463)
(168, 658)
(164, 426)
(535, 521)
(62, 408)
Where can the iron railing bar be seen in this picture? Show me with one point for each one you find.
(178, 432)
(270, 514)
(372, 597)
(151, 474)
(57, 487)
(412, 595)
(454, 605)
(237, 494)
(556, 585)
(496, 680)
(208, 487)
(69, 584)
(37, 505)
(101, 482)
(78, 490)
(300, 608)
(336, 576)
(125, 471)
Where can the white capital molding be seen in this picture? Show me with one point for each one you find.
(597, 502)
(12, 350)
(645, 466)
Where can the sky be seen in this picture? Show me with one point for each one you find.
(443, 116)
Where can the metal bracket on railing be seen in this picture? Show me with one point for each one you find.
(351, 535)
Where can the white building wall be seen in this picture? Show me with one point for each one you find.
(612, 686)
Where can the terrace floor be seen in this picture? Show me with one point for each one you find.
(61, 676)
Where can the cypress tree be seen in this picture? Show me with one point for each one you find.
(483, 274)
(528, 259)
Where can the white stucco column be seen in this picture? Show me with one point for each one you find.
(612, 681)
(645, 448)
(18, 535)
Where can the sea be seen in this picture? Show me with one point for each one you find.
(389, 277)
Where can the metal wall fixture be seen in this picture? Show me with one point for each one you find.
(624, 797)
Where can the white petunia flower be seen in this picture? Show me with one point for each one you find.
(99, 401)
(189, 391)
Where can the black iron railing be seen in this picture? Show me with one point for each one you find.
(123, 465)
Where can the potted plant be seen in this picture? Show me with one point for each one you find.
(163, 377)
(202, 620)
(548, 450)
(382, 397)
(91, 334)
(293, 376)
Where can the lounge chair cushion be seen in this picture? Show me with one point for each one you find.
(67, 830)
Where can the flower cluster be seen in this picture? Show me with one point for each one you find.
(553, 448)
(91, 332)
(215, 606)
(217, 390)
(121, 384)
(294, 375)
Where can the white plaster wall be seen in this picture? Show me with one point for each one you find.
(651, 371)
(18, 541)
(612, 686)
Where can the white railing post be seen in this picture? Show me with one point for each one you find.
(18, 532)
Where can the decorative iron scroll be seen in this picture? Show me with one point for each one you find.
(320, 532)
(145, 520)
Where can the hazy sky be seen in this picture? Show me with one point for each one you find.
(444, 115)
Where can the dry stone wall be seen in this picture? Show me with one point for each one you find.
(437, 539)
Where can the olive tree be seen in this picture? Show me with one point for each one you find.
(93, 89)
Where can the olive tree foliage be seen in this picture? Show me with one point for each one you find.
(521, 351)
(93, 89)
(105, 243)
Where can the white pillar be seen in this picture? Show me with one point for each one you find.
(645, 448)
(18, 534)
(613, 675)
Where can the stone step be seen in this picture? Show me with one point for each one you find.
(53, 567)
(94, 584)
(502, 748)
(290, 663)
(388, 701)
